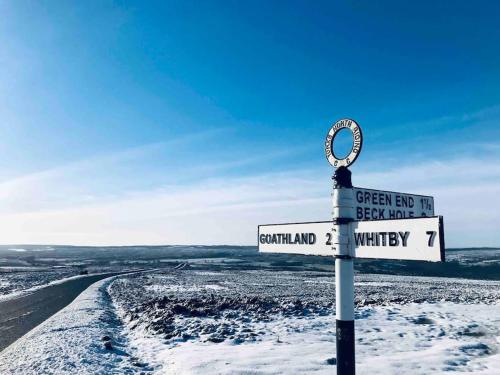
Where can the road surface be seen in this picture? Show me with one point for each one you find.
(19, 315)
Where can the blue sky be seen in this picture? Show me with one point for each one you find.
(192, 122)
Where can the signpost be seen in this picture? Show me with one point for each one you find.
(404, 239)
(366, 223)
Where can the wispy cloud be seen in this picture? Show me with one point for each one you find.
(228, 210)
(474, 117)
(106, 200)
(213, 211)
(100, 177)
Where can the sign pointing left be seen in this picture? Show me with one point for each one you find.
(299, 238)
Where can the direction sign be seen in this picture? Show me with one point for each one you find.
(370, 204)
(405, 239)
(300, 238)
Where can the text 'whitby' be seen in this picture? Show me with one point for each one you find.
(381, 238)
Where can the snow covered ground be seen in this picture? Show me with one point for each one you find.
(71, 341)
(258, 322)
(411, 339)
(264, 322)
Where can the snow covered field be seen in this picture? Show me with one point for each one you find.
(213, 320)
(261, 322)
(411, 339)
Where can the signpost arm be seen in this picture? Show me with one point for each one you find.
(344, 271)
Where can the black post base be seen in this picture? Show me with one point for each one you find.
(345, 347)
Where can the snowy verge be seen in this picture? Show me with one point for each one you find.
(400, 339)
(71, 341)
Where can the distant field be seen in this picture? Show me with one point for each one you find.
(24, 267)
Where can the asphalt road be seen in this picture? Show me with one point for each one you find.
(20, 315)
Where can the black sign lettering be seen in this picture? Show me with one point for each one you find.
(359, 239)
(359, 213)
(384, 240)
(391, 239)
(288, 239)
(359, 196)
(404, 238)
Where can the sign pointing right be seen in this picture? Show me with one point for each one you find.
(405, 239)
(370, 204)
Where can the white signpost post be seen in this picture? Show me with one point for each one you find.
(366, 223)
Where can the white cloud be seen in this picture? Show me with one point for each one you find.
(228, 210)
(212, 212)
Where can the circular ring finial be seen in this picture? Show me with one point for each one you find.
(357, 143)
